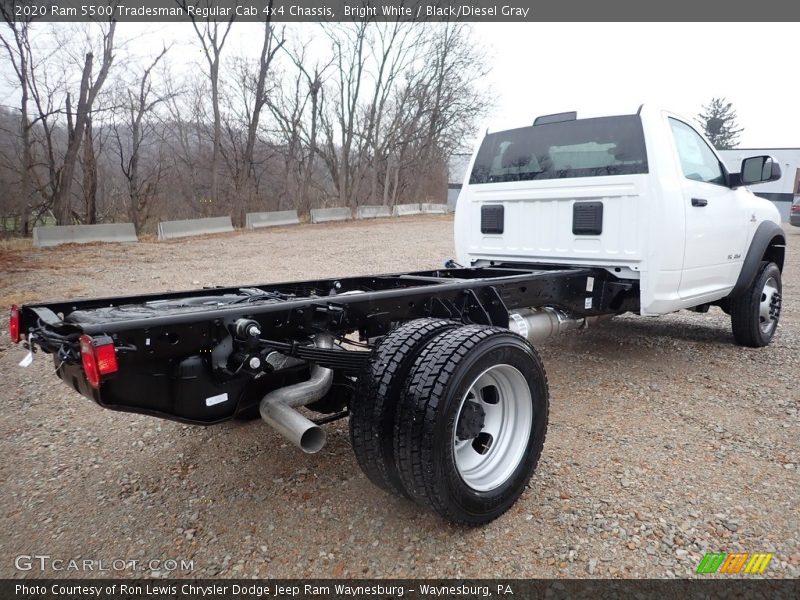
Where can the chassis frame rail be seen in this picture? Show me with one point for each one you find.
(370, 305)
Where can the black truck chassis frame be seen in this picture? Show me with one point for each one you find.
(184, 346)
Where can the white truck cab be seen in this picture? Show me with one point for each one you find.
(644, 196)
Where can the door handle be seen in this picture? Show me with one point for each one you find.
(699, 202)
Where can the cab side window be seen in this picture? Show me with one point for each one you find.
(698, 161)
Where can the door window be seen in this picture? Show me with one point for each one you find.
(698, 161)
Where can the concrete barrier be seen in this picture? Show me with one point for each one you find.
(168, 230)
(323, 215)
(271, 219)
(401, 210)
(372, 212)
(434, 209)
(53, 235)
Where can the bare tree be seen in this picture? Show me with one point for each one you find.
(212, 36)
(130, 138)
(296, 108)
(43, 93)
(340, 124)
(446, 97)
(375, 123)
(403, 101)
(89, 168)
(19, 54)
(86, 97)
(244, 187)
(181, 134)
(43, 137)
(317, 99)
(395, 52)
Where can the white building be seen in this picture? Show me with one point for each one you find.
(781, 192)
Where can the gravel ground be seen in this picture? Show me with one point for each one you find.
(666, 441)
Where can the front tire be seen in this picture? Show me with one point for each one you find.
(755, 313)
(470, 427)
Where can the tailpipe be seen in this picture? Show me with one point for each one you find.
(277, 407)
(538, 325)
(305, 434)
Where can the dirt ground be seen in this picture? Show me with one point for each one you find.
(666, 441)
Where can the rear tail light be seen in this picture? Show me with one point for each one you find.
(795, 207)
(98, 357)
(13, 324)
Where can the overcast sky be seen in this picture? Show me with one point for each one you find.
(598, 68)
(606, 68)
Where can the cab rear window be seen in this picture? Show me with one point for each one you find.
(579, 148)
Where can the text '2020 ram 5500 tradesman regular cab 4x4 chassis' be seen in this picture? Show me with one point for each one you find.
(557, 224)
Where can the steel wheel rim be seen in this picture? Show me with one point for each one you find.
(508, 420)
(765, 307)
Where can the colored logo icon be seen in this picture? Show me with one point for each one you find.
(736, 562)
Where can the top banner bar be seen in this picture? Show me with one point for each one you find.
(399, 10)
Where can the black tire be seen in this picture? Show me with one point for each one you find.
(426, 422)
(374, 403)
(750, 326)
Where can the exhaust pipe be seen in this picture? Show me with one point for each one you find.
(538, 325)
(277, 407)
(305, 434)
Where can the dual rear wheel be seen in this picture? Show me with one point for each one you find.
(453, 417)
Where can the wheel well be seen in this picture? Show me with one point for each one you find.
(760, 250)
(775, 252)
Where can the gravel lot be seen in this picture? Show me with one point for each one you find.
(665, 441)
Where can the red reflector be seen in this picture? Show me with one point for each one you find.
(795, 207)
(13, 324)
(106, 357)
(98, 359)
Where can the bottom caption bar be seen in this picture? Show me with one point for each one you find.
(130, 589)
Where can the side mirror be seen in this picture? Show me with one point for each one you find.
(760, 169)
